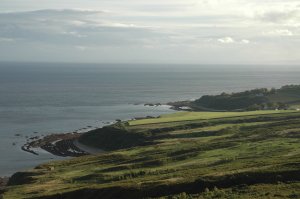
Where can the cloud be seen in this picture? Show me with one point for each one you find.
(226, 40)
(245, 41)
(230, 40)
(279, 16)
(279, 32)
(2, 39)
(81, 48)
(72, 27)
(57, 12)
(284, 17)
(74, 34)
(197, 31)
(78, 23)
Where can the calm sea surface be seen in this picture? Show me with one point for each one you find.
(50, 98)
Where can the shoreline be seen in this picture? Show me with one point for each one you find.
(57, 144)
(64, 144)
(3, 183)
(67, 144)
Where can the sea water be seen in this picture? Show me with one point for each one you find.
(41, 98)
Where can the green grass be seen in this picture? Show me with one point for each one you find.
(187, 116)
(186, 155)
(262, 191)
(295, 106)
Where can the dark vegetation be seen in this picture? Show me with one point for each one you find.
(258, 99)
(114, 137)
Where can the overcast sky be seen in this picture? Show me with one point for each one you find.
(156, 31)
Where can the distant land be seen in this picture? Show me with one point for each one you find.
(258, 99)
(237, 145)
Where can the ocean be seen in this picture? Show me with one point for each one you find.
(44, 98)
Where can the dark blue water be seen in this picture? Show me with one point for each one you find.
(49, 98)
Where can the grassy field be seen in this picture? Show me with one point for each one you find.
(185, 116)
(182, 155)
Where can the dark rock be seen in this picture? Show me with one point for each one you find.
(21, 178)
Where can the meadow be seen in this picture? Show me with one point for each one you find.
(188, 116)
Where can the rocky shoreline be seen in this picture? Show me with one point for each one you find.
(177, 105)
(56, 144)
(66, 144)
(3, 183)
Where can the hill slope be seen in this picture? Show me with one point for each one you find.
(253, 155)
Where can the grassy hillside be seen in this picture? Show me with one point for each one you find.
(183, 155)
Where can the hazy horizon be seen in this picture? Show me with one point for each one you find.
(149, 66)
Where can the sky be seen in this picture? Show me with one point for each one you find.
(156, 31)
